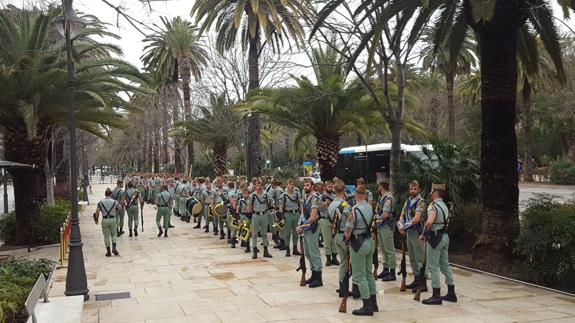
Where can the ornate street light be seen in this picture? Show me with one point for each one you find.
(68, 26)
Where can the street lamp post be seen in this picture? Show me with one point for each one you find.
(68, 26)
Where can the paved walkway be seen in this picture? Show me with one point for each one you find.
(195, 277)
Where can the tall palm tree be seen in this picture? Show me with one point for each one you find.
(176, 49)
(496, 24)
(33, 83)
(325, 110)
(216, 129)
(277, 21)
(440, 60)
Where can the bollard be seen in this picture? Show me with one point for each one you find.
(62, 246)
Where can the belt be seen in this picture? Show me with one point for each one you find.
(164, 205)
(291, 211)
(107, 217)
(260, 213)
(361, 235)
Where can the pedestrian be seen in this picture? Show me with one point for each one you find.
(259, 205)
(358, 232)
(108, 207)
(273, 217)
(133, 198)
(290, 208)
(243, 210)
(385, 227)
(163, 201)
(183, 193)
(118, 195)
(435, 232)
(326, 222)
(309, 228)
(208, 196)
(339, 211)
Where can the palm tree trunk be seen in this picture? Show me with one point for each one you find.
(150, 162)
(220, 161)
(156, 149)
(28, 183)
(527, 138)
(395, 155)
(62, 189)
(177, 148)
(449, 79)
(327, 146)
(254, 153)
(186, 74)
(499, 176)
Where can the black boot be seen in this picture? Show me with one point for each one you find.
(130, 235)
(233, 243)
(365, 310)
(114, 251)
(328, 261)
(166, 233)
(413, 284)
(317, 282)
(160, 232)
(108, 253)
(248, 249)
(341, 292)
(136, 230)
(334, 260)
(229, 234)
(283, 245)
(390, 277)
(288, 254)
(312, 278)
(215, 230)
(275, 238)
(266, 253)
(435, 299)
(450, 296)
(255, 255)
(374, 306)
(355, 291)
(295, 252)
(383, 273)
(118, 233)
(197, 226)
(423, 286)
(207, 228)
(173, 226)
(222, 235)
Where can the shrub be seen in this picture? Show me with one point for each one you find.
(547, 240)
(8, 228)
(287, 172)
(563, 172)
(17, 277)
(51, 218)
(464, 226)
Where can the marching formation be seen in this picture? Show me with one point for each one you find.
(347, 222)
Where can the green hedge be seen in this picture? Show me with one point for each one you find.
(17, 277)
(563, 172)
(547, 241)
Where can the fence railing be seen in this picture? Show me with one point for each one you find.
(65, 230)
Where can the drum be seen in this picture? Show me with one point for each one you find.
(245, 231)
(220, 209)
(193, 206)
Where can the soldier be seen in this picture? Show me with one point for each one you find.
(174, 191)
(275, 192)
(259, 205)
(208, 197)
(133, 199)
(410, 226)
(243, 210)
(358, 233)
(339, 210)
(220, 196)
(233, 216)
(290, 208)
(163, 201)
(385, 227)
(183, 193)
(325, 224)
(108, 207)
(435, 232)
(118, 195)
(309, 228)
(361, 182)
(173, 204)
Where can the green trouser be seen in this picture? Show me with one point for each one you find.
(182, 207)
(206, 212)
(291, 220)
(219, 222)
(385, 239)
(133, 216)
(177, 203)
(362, 264)
(271, 220)
(311, 248)
(120, 218)
(438, 260)
(229, 222)
(109, 227)
(163, 212)
(415, 250)
(259, 224)
(328, 242)
(343, 252)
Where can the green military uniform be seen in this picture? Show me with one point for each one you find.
(232, 216)
(207, 198)
(325, 226)
(108, 208)
(311, 233)
(412, 231)
(163, 201)
(118, 195)
(437, 257)
(182, 192)
(174, 191)
(220, 196)
(385, 228)
(291, 210)
(132, 197)
(359, 221)
(245, 216)
(260, 204)
(339, 210)
(274, 194)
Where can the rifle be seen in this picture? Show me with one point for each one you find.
(402, 269)
(302, 262)
(375, 253)
(142, 212)
(345, 287)
(421, 279)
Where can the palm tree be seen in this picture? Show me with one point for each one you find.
(277, 21)
(216, 129)
(176, 48)
(440, 60)
(33, 83)
(325, 110)
(496, 24)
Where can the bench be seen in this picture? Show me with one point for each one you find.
(58, 309)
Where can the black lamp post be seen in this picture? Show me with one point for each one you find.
(68, 26)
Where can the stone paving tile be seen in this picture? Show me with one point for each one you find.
(195, 277)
